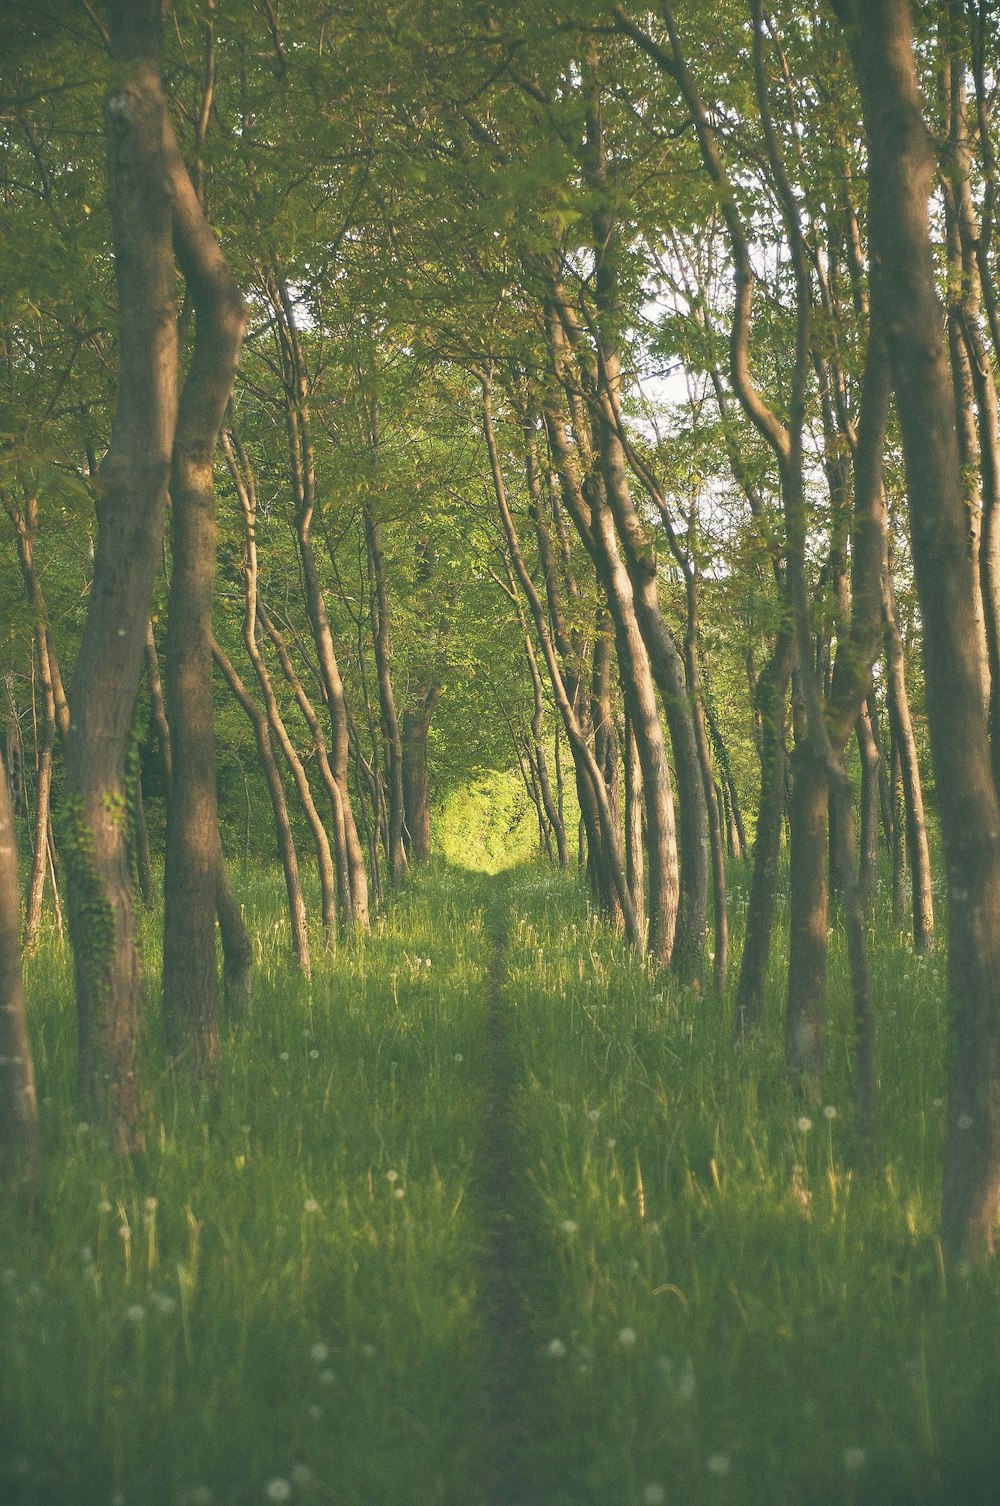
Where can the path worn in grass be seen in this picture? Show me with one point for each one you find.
(515, 1270)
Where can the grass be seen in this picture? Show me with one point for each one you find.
(721, 1304)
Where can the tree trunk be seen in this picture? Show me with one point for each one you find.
(771, 696)
(132, 494)
(634, 868)
(901, 176)
(191, 862)
(868, 847)
(808, 900)
(395, 846)
(20, 1145)
(279, 805)
(905, 744)
(416, 778)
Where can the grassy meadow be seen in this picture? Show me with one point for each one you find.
(283, 1297)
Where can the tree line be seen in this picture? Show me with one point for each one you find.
(614, 388)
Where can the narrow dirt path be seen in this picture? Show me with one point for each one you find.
(513, 1267)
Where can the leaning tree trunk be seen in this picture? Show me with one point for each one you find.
(901, 177)
(190, 878)
(132, 495)
(20, 1147)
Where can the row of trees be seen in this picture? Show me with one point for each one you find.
(569, 347)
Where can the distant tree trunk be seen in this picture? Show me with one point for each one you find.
(243, 481)
(905, 743)
(191, 862)
(395, 845)
(771, 697)
(20, 1146)
(298, 421)
(416, 775)
(901, 176)
(634, 868)
(868, 846)
(279, 805)
(808, 891)
(132, 488)
(899, 890)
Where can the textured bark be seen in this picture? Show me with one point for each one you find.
(901, 175)
(132, 494)
(192, 856)
(20, 1146)
(634, 866)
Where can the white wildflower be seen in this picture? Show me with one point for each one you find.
(136, 1313)
(830, 1111)
(654, 1495)
(310, 1205)
(854, 1459)
(399, 1192)
(319, 1353)
(279, 1490)
(803, 1124)
(718, 1465)
(392, 1176)
(556, 1349)
(626, 1337)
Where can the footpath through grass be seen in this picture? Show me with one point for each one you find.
(518, 1225)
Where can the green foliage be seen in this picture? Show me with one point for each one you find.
(488, 824)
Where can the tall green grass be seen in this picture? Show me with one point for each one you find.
(281, 1287)
(280, 1298)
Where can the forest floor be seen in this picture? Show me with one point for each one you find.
(490, 1213)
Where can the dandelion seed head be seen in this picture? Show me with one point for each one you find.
(87, 1255)
(283, 1056)
(314, 1412)
(124, 1232)
(310, 1205)
(570, 1226)
(654, 1495)
(136, 1313)
(594, 1115)
(104, 1206)
(152, 1204)
(965, 1121)
(314, 1055)
(325, 1377)
(301, 1474)
(279, 1490)
(803, 1124)
(626, 1337)
(459, 1057)
(830, 1111)
(392, 1176)
(854, 1459)
(163, 1302)
(319, 1353)
(718, 1465)
(399, 1192)
(556, 1349)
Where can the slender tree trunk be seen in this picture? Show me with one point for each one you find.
(279, 805)
(868, 854)
(395, 846)
(771, 698)
(132, 489)
(808, 874)
(634, 868)
(191, 863)
(20, 1145)
(905, 744)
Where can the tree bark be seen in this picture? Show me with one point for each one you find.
(192, 856)
(132, 494)
(901, 175)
